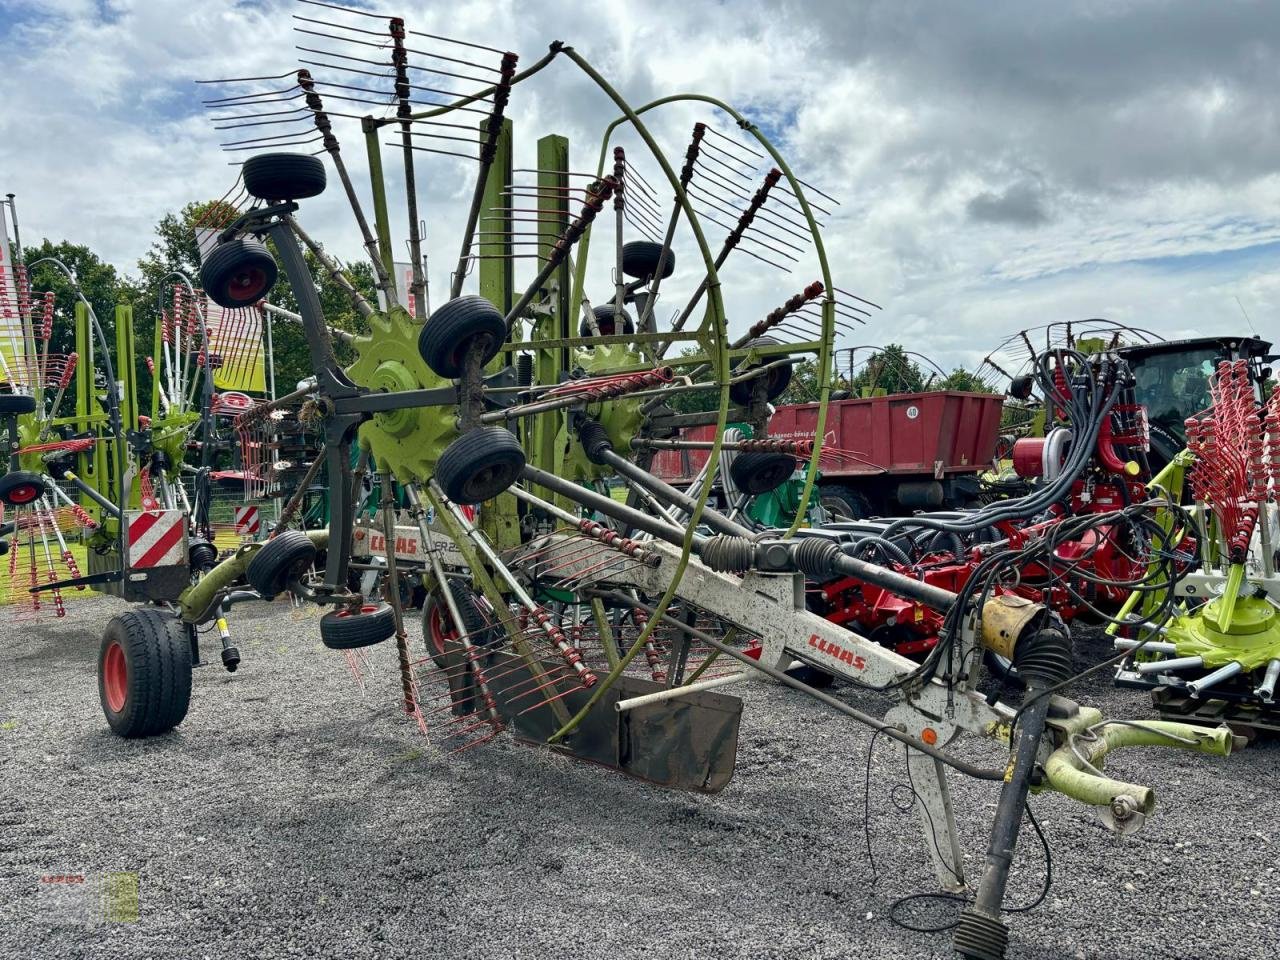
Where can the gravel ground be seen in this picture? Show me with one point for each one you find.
(293, 814)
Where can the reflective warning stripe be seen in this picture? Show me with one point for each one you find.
(157, 538)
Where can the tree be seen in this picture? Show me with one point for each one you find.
(962, 379)
(890, 370)
(98, 281)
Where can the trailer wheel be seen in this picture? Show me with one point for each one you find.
(12, 404)
(479, 465)
(438, 629)
(755, 472)
(843, 502)
(640, 259)
(144, 673)
(368, 624)
(284, 176)
(280, 560)
(450, 331)
(20, 487)
(238, 273)
(606, 320)
(776, 380)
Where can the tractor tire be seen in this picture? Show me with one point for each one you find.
(1164, 447)
(347, 630)
(755, 473)
(450, 331)
(479, 465)
(144, 672)
(20, 487)
(284, 176)
(640, 259)
(16, 404)
(776, 380)
(280, 560)
(238, 273)
(606, 320)
(844, 502)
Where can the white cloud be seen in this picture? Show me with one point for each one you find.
(996, 169)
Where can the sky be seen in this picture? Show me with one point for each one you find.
(998, 165)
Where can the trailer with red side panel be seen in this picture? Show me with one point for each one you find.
(883, 455)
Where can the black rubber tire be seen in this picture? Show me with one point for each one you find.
(16, 403)
(281, 559)
(1164, 447)
(605, 315)
(238, 273)
(345, 630)
(284, 176)
(776, 380)
(844, 501)
(812, 676)
(449, 332)
(479, 630)
(640, 259)
(21, 487)
(755, 472)
(155, 656)
(479, 465)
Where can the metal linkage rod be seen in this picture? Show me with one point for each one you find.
(571, 655)
(686, 174)
(331, 267)
(322, 123)
(731, 241)
(488, 149)
(597, 194)
(893, 733)
(404, 113)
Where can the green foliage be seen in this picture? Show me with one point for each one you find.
(174, 249)
(99, 282)
(962, 379)
(889, 370)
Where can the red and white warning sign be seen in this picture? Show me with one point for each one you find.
(157, 538)
(248, 522)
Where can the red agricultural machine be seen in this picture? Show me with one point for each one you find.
(1079, 536)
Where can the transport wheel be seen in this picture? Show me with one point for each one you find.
(606, 320)
(284, 176)
(450, 331)
(20, 487)
(144, 672)
(812, 677)
(640, 259)
(776, 380)
(364, 626)
(238, 273)
(282, 559)
(16, 403)
(479, 465)
(439, 631)
(754, 472)
(843, 503)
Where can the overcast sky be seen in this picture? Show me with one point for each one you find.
(999, 165)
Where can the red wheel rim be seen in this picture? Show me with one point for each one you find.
(439, 633)
(24, 493)
(367, 608)
(115, 678)
(248, 284)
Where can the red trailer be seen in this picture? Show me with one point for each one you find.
(891, 454)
